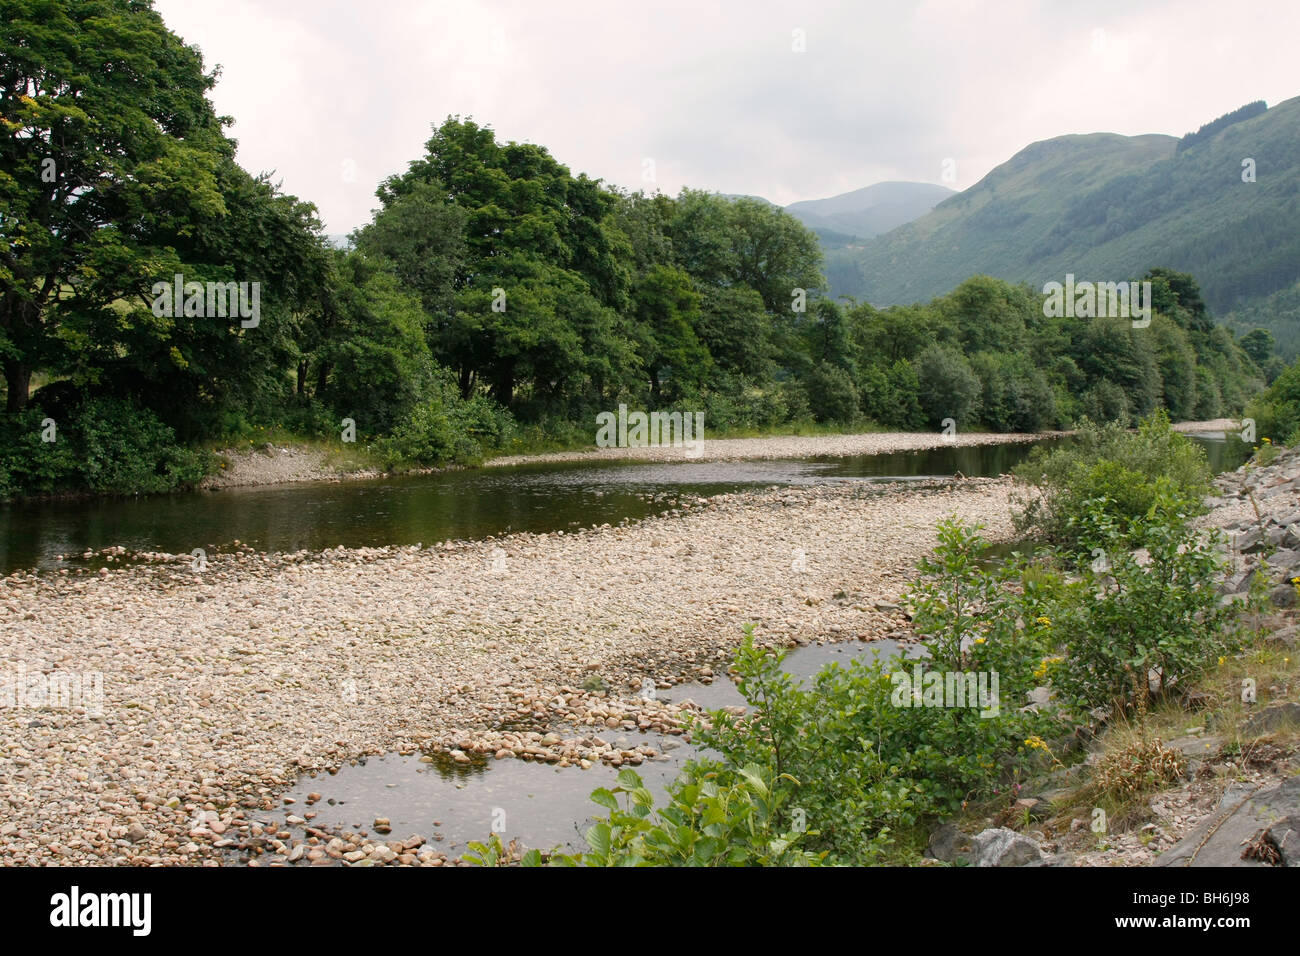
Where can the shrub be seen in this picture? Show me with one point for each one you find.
(104, 445)
(1146, 611)
(127, 450)
(446, 428)
(1141, 766)
(1129, 471)
(1105, 402)
(855, 759)
(1276, 410)
(714, 817)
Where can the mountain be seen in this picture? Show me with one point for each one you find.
(844, 219)
(871, 210)
(1108, 207)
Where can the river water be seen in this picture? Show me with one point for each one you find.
(468, 504)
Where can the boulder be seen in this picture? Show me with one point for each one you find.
(1273, 717)
(949, 844)
(1283, 595)
(1222, 839)
(1003, 847)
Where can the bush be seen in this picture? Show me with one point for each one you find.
(1276, 410)
(106, 445)
(714, 817)
(1129, 471)
(849, 763)
(1105, 402)
(446, 429)
(890, 395)
(1015, 396)
(127, 450)
(1147, 607)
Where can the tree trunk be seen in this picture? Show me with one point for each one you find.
(18, 379)
(302, 377)
(504, 388)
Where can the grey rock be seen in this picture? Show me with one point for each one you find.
(1273, 717)
(1285, 835)
(1283, 595)
(1284, 559)
(1286, 636)
(1003, 847)
(949, 844)
(1247, 542)
(1221, 837)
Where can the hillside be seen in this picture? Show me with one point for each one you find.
(1108, 206)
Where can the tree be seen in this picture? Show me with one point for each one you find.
(1178, 295)
(667, 310)
(1259, 345)
(108, 140)
(372, 364)
(538, 266)
(948, 387)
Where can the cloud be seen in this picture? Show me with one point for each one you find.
(334, 96)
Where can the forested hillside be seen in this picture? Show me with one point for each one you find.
(1221, 204)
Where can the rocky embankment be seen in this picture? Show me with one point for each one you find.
(1238, 803)
(222, 685)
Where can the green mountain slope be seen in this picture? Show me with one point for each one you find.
(1104, 206)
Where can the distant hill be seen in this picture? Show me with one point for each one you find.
(1109, 207)
(871, 210)
(862, 213)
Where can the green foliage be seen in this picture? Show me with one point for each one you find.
(1276, 410)
(856, 759)
(714, 817)
(104, 445)
(1128, 473)
(832, 396)
(948, 387)
(446, 429)
(1141, 617)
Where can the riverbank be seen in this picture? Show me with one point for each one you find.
(284, 462)
(275, 463)
(782, 446)
(221, 686)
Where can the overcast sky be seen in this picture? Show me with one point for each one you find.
(334, 95)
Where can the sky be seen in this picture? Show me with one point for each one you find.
(783, 100)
